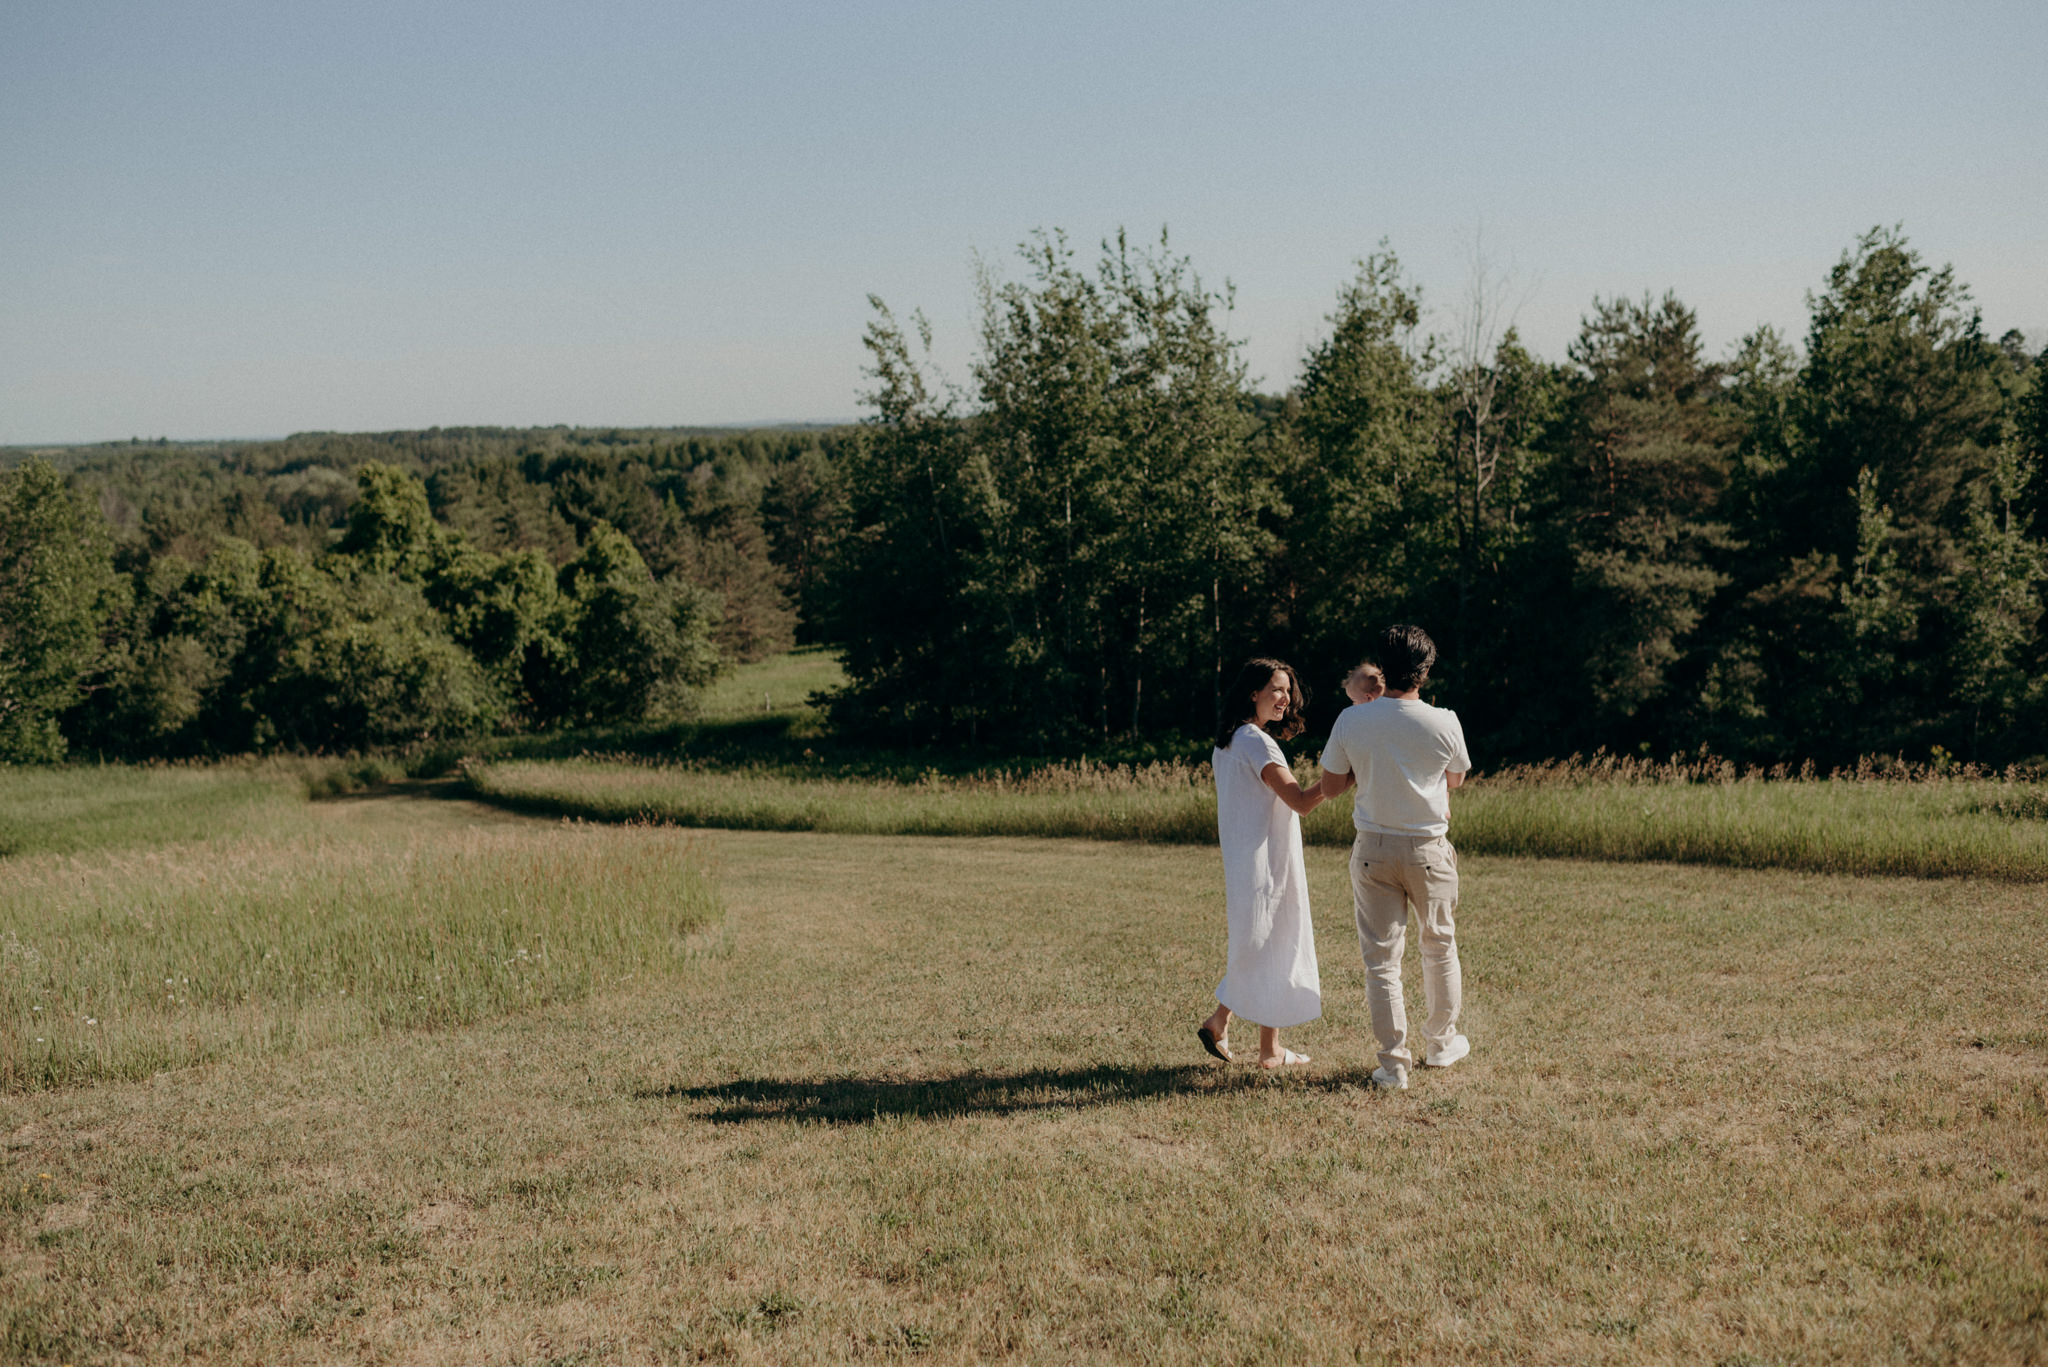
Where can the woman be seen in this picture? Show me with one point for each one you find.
(1271, 976)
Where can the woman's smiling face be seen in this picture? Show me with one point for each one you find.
(1270, 703)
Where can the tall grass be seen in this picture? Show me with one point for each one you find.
(1161, 802)
(120, 965)
(1875, 819)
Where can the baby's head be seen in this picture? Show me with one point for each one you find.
(1365, 683)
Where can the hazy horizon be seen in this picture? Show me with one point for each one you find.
(136, 438)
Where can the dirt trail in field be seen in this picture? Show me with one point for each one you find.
(415, 805)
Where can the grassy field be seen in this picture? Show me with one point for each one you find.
(110, 806)
(781, 684)
(940, 1100)
(61, 811)
(300, 926)
(1994, 828)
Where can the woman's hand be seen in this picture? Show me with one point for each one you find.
(1281, 780)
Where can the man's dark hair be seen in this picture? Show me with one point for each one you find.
(1237, 709)
(1406, 654)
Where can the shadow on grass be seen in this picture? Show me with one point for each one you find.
(864, 1100)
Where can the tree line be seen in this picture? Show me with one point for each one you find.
(1787, 553)
(1798, 551)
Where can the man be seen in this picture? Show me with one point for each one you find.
(1404, 756)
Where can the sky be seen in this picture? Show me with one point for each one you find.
(250, 219)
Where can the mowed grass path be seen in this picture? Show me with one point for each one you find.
(940, 1099)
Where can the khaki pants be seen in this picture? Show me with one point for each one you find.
(1389, 873)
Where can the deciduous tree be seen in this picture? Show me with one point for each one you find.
(57, 590)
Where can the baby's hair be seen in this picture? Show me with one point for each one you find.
(1369, 670)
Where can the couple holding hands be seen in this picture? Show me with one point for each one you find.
(1403, 756)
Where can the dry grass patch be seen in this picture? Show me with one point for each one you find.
(941, 1100)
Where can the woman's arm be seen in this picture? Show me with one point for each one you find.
(1281, 780)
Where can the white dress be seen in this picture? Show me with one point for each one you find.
(1270, 978)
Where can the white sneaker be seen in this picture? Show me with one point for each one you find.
(1390, 1082)
(1449, 1054)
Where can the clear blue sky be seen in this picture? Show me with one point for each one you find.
(246, 219)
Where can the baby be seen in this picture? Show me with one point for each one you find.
(1365, 683)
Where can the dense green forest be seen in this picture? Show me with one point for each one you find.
(339, 592)
(1812, 550)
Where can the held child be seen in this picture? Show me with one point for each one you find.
(1271, 976)
(1364, 683)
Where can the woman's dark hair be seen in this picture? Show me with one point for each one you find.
(1252, 676)
(1406, 653)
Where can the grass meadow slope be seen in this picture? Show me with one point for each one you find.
(940, 1100)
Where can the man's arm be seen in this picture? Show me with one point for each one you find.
(1455, 778)
(1335, 780)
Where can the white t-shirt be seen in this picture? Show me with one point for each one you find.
(1400, 749)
